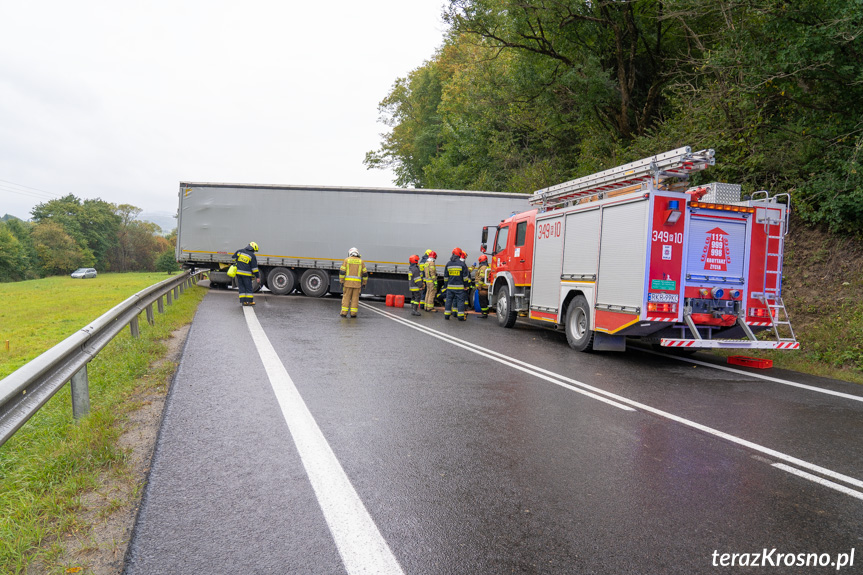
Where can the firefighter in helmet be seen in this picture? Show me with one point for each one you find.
(247, 268)
(468, 289)
(430, 277)
(481, 286)
(415, 284)
(353, 276)
(457, 279)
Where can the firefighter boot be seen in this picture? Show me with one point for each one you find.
(414, 309)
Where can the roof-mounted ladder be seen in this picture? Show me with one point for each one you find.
(677, 163)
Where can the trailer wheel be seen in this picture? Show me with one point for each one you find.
(505, 314)
(578, 332)
(315, 283)
(281, 281)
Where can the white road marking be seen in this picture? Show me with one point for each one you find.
(819, 480)
(360, 544)
(500, 358)
(626, 401)
(758, 376)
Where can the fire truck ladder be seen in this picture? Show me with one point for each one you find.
(772, 296)
(679, 163)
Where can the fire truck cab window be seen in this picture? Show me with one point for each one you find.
(520, 233)
(500, 240)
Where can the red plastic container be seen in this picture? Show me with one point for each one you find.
(390, 298)
(399, 301)
(750, 361)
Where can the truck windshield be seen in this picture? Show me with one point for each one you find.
(500, 240)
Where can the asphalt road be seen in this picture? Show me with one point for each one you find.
(295, 441)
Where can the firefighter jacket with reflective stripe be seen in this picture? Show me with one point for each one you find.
(247, 263)
(353, 273)
(430, 271)
(480, 274)
(423, 262)
(415, 278)
(456, 275)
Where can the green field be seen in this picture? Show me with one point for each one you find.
(52, 460)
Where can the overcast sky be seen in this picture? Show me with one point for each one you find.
(123, 100)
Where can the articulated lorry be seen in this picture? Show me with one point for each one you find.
(635, 251)
(305, 232)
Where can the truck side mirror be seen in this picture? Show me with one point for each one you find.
(484, 236)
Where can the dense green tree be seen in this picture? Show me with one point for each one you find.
(58, 251)
(30, 262)
(13, 256)
(91, 223)
(529, 93)
(411, 110)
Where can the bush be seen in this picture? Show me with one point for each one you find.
(167, 262)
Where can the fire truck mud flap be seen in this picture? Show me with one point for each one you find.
(606, 342)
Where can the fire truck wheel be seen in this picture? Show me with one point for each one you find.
(281, 281)
(505, 314)
(578, 332)
(314, 283)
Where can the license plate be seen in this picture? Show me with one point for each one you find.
(662, 297)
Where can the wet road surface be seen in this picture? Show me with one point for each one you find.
(295, 441)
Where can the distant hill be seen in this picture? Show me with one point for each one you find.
(164, 220)
(8, 217)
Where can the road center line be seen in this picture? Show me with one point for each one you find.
(819, 480)
(626, 401)
(360, 544)
(514, 363)
(757, 375)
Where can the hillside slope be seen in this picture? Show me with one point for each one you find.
(823, 287)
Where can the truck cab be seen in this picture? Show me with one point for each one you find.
(511, 265)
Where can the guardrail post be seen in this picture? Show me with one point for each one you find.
(168, 297)
(80, 393)
(133, 325)
(160, 305)
(150, 319)
(176, 293)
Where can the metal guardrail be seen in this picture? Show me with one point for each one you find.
(26, 390)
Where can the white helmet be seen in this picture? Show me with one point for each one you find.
(354, 252)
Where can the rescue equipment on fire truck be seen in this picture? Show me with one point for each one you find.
(679, 163)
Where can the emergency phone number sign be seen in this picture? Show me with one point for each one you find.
(716, 254)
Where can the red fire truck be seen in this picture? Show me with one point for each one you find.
(635, 252)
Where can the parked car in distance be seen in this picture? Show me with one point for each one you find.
(84, 273)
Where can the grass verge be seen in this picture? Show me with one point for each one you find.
(52, 461)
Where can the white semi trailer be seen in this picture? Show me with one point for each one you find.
(305, 232)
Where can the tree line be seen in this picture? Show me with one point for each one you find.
(68, 233)
(525, 94)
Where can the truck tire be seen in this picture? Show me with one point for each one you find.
(505, 314)
(281, 281)
(578, 332)
(315, 283)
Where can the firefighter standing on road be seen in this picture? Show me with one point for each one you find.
(457, 280)
(430, 276)
(353, 276)
(415, 284)
(247, 268)
(481, 286)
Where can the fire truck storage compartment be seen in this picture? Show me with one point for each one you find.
(622, 255)
(581, 248)
(548, 252)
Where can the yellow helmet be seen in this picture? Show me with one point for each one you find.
(253, 245)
